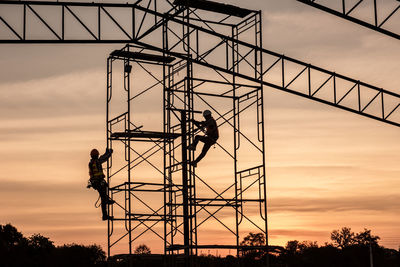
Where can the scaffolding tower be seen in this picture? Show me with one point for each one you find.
(192, 199)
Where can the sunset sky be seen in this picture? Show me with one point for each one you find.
(326, 168)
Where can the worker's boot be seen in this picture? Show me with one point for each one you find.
(107, 217)
(193, 163)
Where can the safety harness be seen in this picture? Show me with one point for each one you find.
(96, 174)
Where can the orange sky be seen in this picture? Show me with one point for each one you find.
(326, 168)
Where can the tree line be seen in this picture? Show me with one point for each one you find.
(39, 251)
(346, 249)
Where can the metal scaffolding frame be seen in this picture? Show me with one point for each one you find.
(346, 9)
(181, 98)
(121, 129)
(185, 210)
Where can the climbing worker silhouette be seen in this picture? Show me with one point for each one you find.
(97, 179)
(210, 137)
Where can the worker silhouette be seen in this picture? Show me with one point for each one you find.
(97, 179)
(210, 137)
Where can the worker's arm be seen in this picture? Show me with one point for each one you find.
(106, 155)
(199, 124)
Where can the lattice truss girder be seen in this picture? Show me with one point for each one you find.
(143, 23)
(380, 15)
(285, 73)
(46, 21)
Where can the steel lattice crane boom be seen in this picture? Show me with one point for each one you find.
(346, 10)
(320, 85)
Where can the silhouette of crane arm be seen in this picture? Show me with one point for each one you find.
(271, 69)
(347, 9)
(96, 22)
(321, 85)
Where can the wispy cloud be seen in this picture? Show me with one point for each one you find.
(290, 233)
(388, 203)
(45, 61)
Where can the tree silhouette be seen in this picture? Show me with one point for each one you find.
(257, 239)
(39, 251)
(10, 237)
(343, 238)
(292, 247)
(142, 249)
(366, 238)
(348, 249)
(295, 247)
(79, 255)
(39, 242)
(251, 239)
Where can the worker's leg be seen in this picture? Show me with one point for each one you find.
(197, 138)
(208, 142)
(101, 187)
(104, 199)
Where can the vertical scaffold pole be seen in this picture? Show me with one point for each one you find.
(264, 174)
(185, 189)
(127, 71)
(109, 79)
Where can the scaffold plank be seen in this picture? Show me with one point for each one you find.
(215, 7)
(145, 134)
(142, 56)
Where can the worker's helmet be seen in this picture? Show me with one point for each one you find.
(206, 113)
(94, 153)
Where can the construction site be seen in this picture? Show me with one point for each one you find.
(178, 59)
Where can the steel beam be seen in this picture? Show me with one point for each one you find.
(347, 14)
(386, 111)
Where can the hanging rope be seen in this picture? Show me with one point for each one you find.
(97, 205)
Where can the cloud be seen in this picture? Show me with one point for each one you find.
(71, 94)
(30, 62)
(41, 186)
(43, 196)
(290, 233)
(8, 134)
(360, 203)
